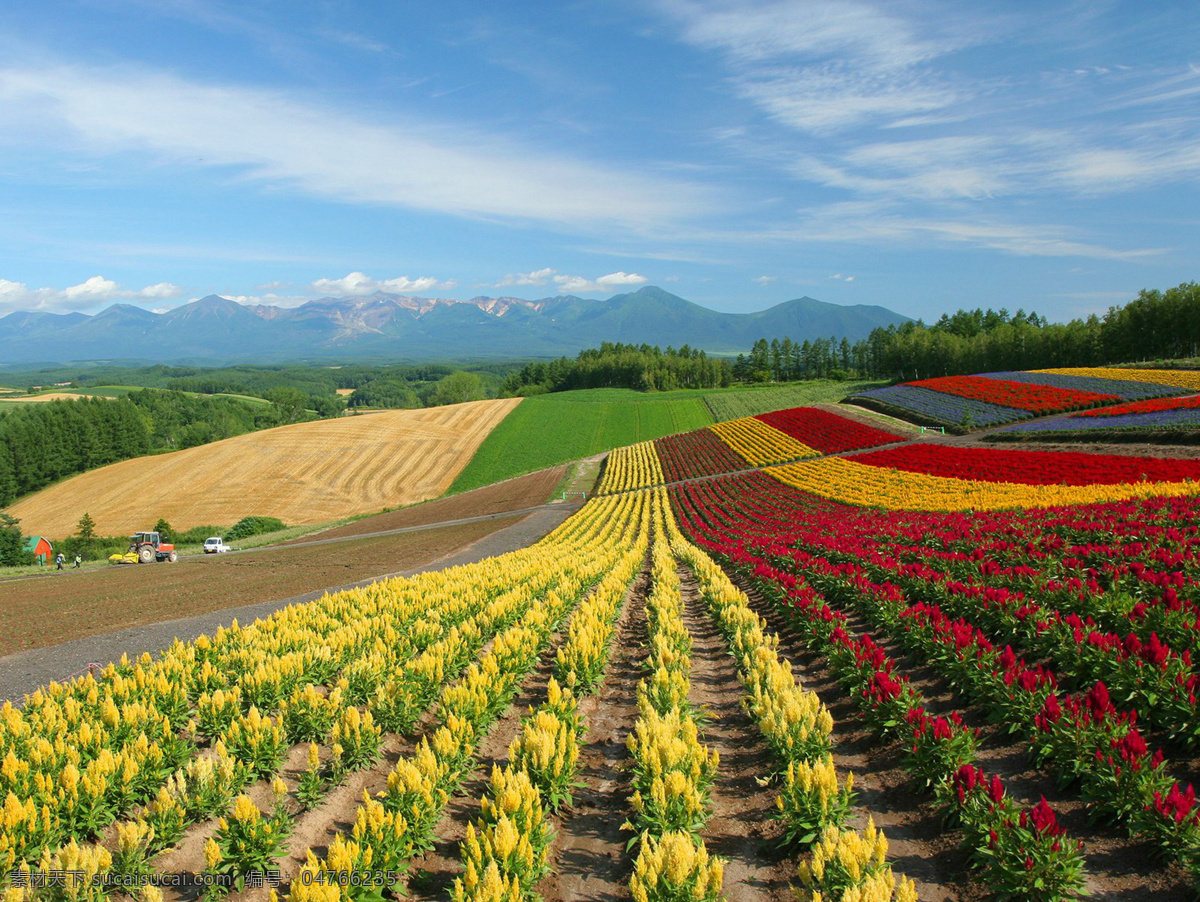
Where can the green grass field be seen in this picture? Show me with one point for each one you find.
(552, 429)
(746, 401)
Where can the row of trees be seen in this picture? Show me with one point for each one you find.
(1155, 325)
(614, 365)
(394, 391)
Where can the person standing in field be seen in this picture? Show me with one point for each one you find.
(59, 560)
(78, 560)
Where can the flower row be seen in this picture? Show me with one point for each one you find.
(672, 771)
(928, 407)
(631, 467)
(1128, 389)
(850, 482)
(1035, 399)
(813, 804)
(1024, 853)
(759, 443)
(1188, 380)
(697, 453)
(1051, 468)
(827, 432)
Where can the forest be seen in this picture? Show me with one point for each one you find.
(1155, 325)
(615, 365)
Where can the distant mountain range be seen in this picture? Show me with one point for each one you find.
(400, 326)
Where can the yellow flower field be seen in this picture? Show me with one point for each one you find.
(759, 443)
(853, 483)
(1177, 378)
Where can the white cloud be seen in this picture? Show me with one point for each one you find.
(93, 292)
(619, 279)
(837, 276)
(573, 284)
(537, 277)
(763, 280)
(299, 142)
(357, 283)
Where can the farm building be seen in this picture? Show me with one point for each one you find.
(41, 548)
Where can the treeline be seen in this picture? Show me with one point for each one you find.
(1155, 325)
(396, 391)
(643, 367)
(43, 443)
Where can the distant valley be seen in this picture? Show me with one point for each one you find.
(386, 325)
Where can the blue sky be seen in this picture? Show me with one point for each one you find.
(923, 156)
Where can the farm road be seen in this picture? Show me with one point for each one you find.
(25, 671)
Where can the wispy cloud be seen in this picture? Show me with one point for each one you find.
(825, 66)
(87, 295)
(888, 110)
(299, 142)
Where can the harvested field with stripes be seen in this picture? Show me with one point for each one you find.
(306, 473)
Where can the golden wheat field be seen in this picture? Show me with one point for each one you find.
(306, 473)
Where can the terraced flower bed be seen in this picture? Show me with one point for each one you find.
(1129, 389)
(827, 432)
(933, 408)
(1036, 399)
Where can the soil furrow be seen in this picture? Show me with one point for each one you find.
(1117, 866)
(431, 876)
(741, 827)
(588, 858)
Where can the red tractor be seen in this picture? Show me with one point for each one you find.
(149, 547)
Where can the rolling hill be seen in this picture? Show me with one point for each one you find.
(306, 473)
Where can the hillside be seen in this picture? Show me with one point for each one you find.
(306, 473)
(392, 325)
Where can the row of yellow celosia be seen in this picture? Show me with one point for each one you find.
(95, 733)
(760, 443)
(1189, 379)
(390, 830)
(845, 866)
(257, 743)
(672, 770)
(506, 848)
(631, 467)
(853, 483)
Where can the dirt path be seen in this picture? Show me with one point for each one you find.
(588, 855)
(918, 845)
(431, 876)
(1115, 863)
(741, 828)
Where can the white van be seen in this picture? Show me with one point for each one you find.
(215, 545)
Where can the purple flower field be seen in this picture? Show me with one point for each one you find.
(1162, 419)
(939, 407)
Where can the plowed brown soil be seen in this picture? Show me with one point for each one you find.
(47, 610)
